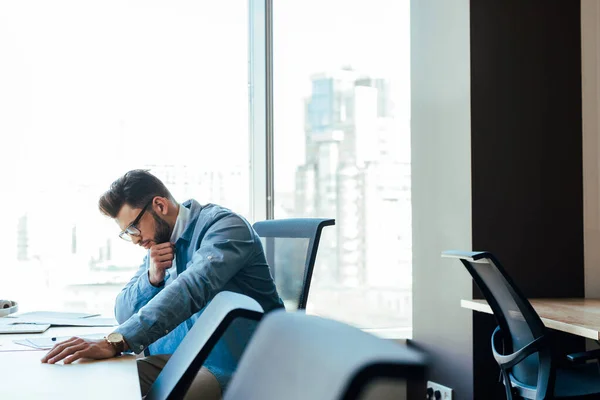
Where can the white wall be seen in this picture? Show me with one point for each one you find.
(441, 187)
(590, 65)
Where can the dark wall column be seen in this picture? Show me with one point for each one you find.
(497, 166)
(526, 153)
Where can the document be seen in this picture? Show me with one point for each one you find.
(46, 343)
(23, 328)
(52, 314)
(58, 319)
(92, 321)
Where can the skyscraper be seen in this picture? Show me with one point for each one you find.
(354, 172)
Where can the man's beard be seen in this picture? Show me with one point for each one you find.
(162, 230)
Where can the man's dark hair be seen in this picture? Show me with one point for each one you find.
(136, 188)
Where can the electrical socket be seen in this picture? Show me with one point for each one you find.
(445, 392)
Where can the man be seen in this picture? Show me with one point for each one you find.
(194, 252)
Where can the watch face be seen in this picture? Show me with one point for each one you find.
(114, 337)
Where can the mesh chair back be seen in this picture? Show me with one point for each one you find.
(291, 248)
(518, 321)
(295, 356)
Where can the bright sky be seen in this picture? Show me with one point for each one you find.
(122, 82)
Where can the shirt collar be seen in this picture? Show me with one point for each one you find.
(183, 217)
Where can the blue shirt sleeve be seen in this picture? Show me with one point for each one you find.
(136, 294)
(225, 249)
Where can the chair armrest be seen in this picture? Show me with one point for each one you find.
(507, 361)
(580, 358)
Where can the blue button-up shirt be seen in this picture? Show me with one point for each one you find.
(218, 250)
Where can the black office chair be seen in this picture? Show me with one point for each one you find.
(295, 356)
(291, 249)
(526, 363)
(222, 313)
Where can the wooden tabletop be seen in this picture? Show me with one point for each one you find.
(579, 317)
(25, 377)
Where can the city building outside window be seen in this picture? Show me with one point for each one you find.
(342, 150)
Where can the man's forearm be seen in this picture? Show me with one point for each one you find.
(169, 309)
(134, 296)
(160, 316)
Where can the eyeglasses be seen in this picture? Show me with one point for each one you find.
(132, 230)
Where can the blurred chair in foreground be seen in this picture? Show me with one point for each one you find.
(226, 313)
(295, 356)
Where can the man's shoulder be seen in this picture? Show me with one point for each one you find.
(220, 221)
(204, 210)
(215, 211)
(210, 213)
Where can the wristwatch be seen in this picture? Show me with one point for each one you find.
(117, 341)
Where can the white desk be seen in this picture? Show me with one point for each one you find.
(23, 376)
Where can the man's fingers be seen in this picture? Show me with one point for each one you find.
(60, 347)
(66, 352)
(162, 246)
(164, 264)
(76, 356)
(53, 351)
(166, 257)
(161, 252)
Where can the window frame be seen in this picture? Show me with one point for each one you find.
(260, 102)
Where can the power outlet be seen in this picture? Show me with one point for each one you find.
(445, 392)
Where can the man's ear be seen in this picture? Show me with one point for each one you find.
(160, 205)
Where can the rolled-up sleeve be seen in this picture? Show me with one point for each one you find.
(136, 294)
(224, 250)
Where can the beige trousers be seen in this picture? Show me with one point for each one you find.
(204, 386)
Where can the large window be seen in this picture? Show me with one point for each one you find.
(342, 150)
(89, 90)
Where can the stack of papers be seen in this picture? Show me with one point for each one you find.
(58, 319)
(46, 343)
(22, 328)
(53, 314)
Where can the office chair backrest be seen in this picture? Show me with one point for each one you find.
(295, 356)
(220, 320)
(518, 321)
(291, 248)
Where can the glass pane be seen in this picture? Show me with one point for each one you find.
(342, 150)
(287, 259)
(90, 90)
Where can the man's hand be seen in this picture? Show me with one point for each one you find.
(161, 259)
(76, 348)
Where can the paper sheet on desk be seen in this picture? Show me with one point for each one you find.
(92, 321)
(52, 314)
(46, 343)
